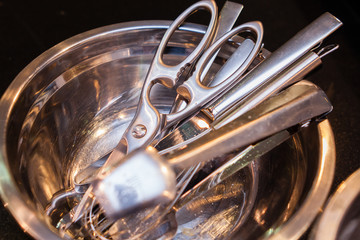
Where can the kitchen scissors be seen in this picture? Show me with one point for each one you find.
(149, 123)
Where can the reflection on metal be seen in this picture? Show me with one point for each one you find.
(340, 218)
(317, 195)
(202, 124)
(60, 118)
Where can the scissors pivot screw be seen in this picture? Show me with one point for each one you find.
(139, 131)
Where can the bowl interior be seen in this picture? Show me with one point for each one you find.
(75, 106)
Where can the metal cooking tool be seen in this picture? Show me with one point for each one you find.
(286, 65)
(305, 40)
(149, 123)
(185, 93)
(295, 72)
(295, 105)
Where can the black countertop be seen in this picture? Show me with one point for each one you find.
(28, 28)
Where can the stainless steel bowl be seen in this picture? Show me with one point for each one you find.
(71, 105)
(341, 216)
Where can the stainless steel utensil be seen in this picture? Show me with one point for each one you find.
(286, 65)
(287, 54)
(296, 105)
(146, 200)
(191, 129)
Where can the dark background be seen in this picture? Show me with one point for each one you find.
(28, 28)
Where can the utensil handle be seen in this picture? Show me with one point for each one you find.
(196, 93)
(290, 75)
(292, 50)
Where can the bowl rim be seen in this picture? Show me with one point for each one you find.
(36, 225)
(304, 216)
(328, 225)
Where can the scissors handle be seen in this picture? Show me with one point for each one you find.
(169, 74)
(147, 121)
(195, 92)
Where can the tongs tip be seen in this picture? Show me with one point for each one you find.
(322, 52)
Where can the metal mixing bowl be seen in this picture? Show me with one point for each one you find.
(71, 104)
(341, 216)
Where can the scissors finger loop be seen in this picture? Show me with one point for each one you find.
(196, 93)
(172, 73)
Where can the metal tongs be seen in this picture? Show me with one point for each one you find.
(222, 108)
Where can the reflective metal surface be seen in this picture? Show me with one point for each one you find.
(287, 54)
(149, 181)
(341, 216)
(71, 105)
(295, 105)
(142, 179)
